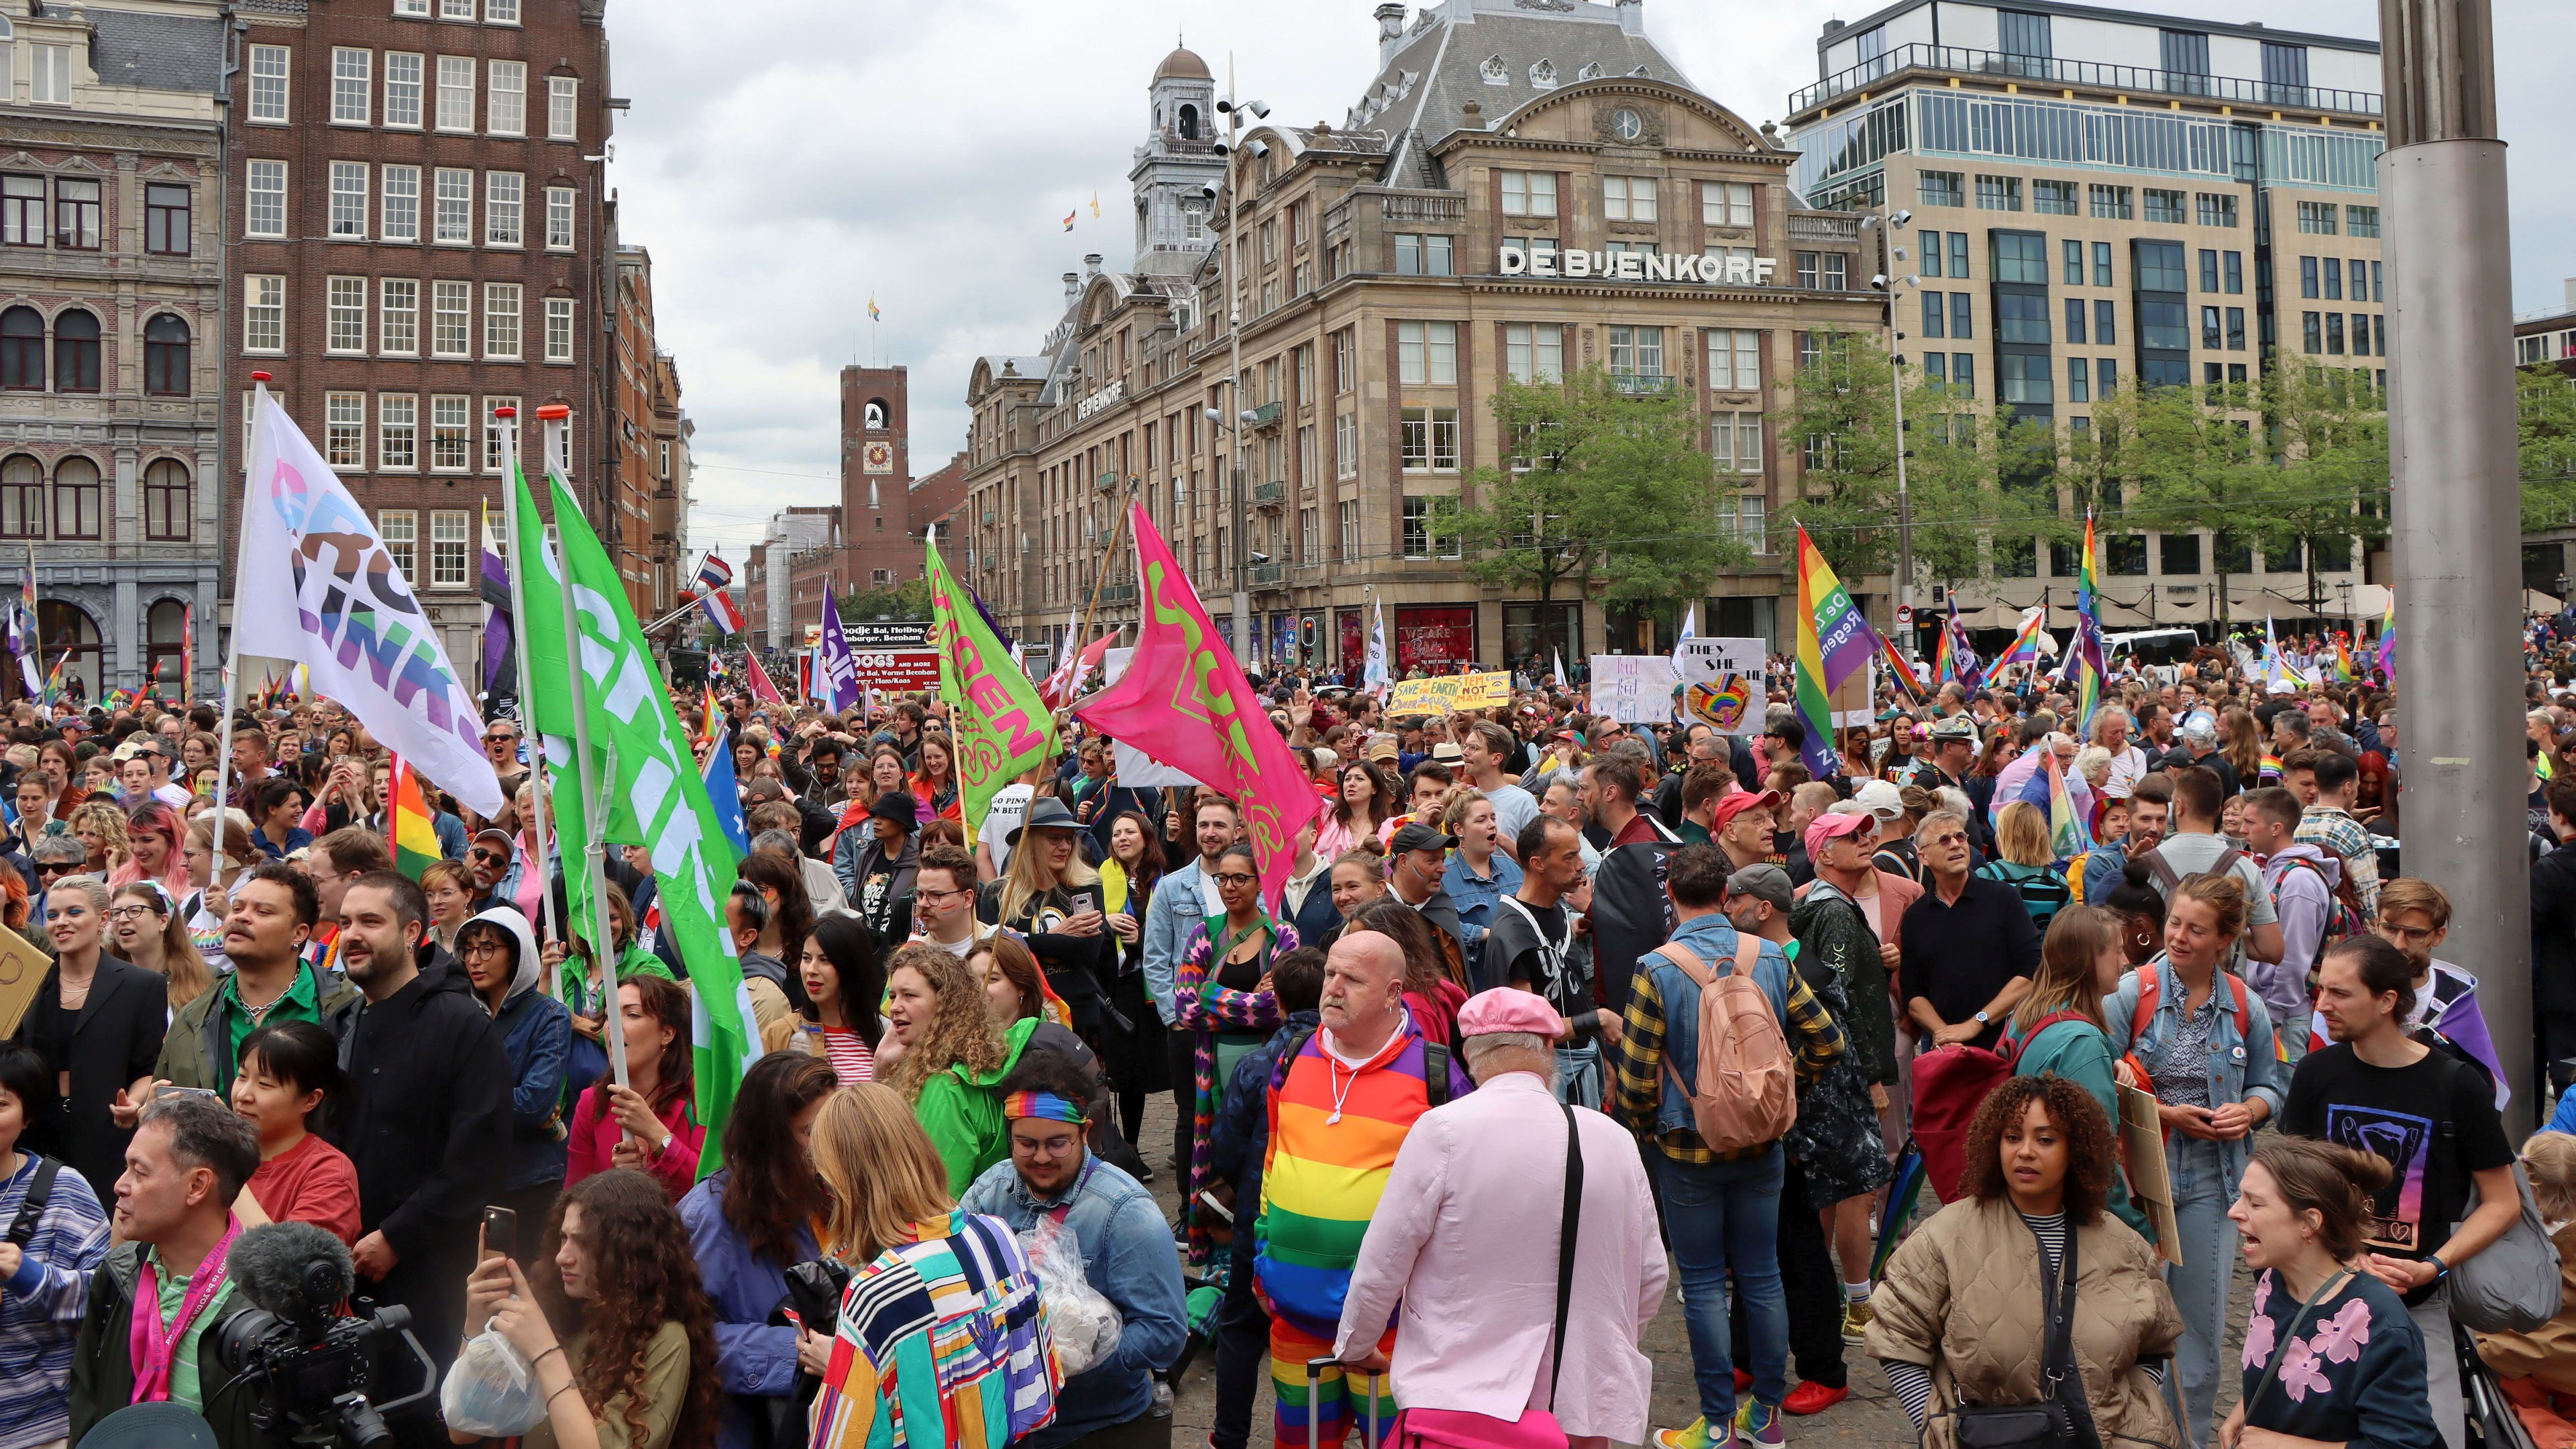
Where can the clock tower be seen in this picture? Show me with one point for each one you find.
(1178, 160)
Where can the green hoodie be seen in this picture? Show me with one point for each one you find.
(963, 1114)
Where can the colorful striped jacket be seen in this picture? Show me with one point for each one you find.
(1333, 1137)
(941, 1342)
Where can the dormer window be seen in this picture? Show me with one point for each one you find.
(1542, 74)
(1496, 73)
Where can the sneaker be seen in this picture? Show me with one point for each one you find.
(1812, 1398)
(1758, 1423)
(1697, 1436)
(1856, 1320)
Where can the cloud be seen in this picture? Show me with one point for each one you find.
(782, 173)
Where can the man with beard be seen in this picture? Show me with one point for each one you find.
(430, 1112)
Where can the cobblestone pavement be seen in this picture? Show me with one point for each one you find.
(1870, 1419)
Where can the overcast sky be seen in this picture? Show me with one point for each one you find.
(785, 172)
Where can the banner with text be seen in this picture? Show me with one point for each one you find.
(1450, 693)
(1722, 683)
(1633, 688)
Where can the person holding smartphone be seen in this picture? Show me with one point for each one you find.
(1053, 897)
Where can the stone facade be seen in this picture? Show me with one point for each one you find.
(113, 476)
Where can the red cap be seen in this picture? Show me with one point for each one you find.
(554, 411)
(1730, 806)
(505, 412)
(259, 377)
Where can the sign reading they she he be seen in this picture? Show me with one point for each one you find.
(1714, 269)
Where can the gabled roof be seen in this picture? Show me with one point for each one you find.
(157, 51)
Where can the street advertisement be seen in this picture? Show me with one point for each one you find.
(896, 670)
(1633, 688)
(1722, 683)
(1450, 693)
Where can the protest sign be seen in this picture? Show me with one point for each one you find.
(1449, 693)
(1633, 688)
(1722, 683)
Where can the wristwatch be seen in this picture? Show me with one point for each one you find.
(2441, 1270)
(1984, 1020)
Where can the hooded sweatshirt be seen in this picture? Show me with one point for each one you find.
(2303, 897)
(536, 1031)
(962, 1112)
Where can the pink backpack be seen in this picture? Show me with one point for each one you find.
(1748, 1087)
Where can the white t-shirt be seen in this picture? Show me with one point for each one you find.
(1008, 807)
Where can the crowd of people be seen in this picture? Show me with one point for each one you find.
(1748, 1005)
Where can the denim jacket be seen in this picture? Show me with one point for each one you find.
(2242, 1068)
(1477, 896)
(1713, 940)
(1127, 1256)
(1171, 918)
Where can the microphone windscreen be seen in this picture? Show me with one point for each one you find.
(269, 1265)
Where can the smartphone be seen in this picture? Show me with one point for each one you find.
(1085, 900)
(500, 1233)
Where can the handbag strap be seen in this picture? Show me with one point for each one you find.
(2326, 1290)
(1566, 1233)
(2059, 1361)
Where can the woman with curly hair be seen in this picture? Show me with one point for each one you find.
(748, 1224)
(1961, 1316)
(635, 1371)
(99, 824)
(953, 1058)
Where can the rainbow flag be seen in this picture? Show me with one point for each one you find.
(1903, 673)
(1833, 640)
(2343, 662)
(407, 822)
(2086, 657)
(2388, 641)
(2067, 834)
(2031, 644)
(715, 712)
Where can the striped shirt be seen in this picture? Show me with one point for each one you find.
(41, 1308)
(940, 1341)
(851, 1060)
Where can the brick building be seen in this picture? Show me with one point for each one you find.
(112, 437)
(421, 237)
(874, 540)
(645, 451)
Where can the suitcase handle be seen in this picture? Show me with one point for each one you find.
(1314, 1382)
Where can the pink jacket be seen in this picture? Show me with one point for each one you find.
(594, 1139)
(1474, 1329)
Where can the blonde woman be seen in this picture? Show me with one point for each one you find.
(1051, 896)
(2027, 861)
(144, 924)
(894, 1219)
(100, 825)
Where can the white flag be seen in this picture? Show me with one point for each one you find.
(318, 588)
(1376, 678)
(1689, 617)
(1558, 657)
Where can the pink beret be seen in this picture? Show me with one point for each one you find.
(1508, 1009)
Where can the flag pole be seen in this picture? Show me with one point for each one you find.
(232, 652)
(1099, 581)
(538, 829)
(594, 850)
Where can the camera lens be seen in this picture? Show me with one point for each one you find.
(362, 1427)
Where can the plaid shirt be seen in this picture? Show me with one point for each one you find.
(1813, 1035)
(2339, 835)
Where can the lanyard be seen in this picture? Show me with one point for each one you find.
(154, 1348)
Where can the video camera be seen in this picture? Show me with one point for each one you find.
(310, 1367)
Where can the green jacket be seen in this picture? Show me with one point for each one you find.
(197, 1050)
(2079, 1052)
(963, 1113)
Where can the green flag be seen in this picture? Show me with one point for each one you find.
(1002, 729)
(642, 769)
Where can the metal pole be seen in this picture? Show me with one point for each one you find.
(1234, 381)
(1896, 390)
(2455, 486)
(538, 830)
(232, 663)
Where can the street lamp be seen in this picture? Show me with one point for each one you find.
(1234, 112)
(1886, 224)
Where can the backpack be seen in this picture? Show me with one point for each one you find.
(2162, 871)
(2151, 992)
(2343, 916)
(1748, 1088)
(1950, 1084)
(2043, 891)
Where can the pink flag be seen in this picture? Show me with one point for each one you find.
(761, 688)
(1185, 703)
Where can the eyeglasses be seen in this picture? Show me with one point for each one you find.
(128, 913)
(2406, 935)
(1235, 877)
(1054, 1147)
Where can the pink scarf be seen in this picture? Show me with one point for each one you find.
(153, 1348)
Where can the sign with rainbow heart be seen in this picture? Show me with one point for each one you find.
(1721, 682)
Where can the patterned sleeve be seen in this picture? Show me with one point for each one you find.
(1206, 1004)
(1640, 1052)
(69, 1242)
(1189, 977)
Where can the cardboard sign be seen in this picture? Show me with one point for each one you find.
(1722, 683)
(1633, 688)
(1449, 693)
(22, 970)
(2142, 1134)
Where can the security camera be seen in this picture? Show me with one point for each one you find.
(1259, 111)
(1225, 107)
(1902, 217)
(1260, 557)
(1221, 148)
(1249, 416)
(1897, 252)
(1878, 280)
(1914, 281)
(1208, 190)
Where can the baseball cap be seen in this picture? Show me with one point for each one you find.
(1880, 798)
(1507, 1009)
(1763, 882)
(1843, 820)
(1730, 806)
(2199, 730)
(1417, 836)
(1381, 747)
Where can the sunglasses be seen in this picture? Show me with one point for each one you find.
(50, 867)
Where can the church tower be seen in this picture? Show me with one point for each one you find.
(1177, 162)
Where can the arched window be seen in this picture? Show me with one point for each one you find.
(165, 501)
(76, 352)
(1189, 123)
(76, 500)
(22, 497)
(876, 416)
(70, 634)
(164, 650)
(165, 357)
(22, 350)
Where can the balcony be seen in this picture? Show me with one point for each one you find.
(1268, 575)
(1265, 416)
(1807, 226)
(1953, 60)
(1100, 537)
(1106, 482)
(1270, 495)
(1435, 208)
(1118, 593)
(1642, 384)
(989, 515)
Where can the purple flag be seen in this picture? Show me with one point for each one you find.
(836, 674)
(500, 665)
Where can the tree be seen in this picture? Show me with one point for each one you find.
(910, 600)
(2545, 403)
(1972, 478)
(1605, 486)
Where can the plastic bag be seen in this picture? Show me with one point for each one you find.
(491, 1392)
(1083, 1323)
